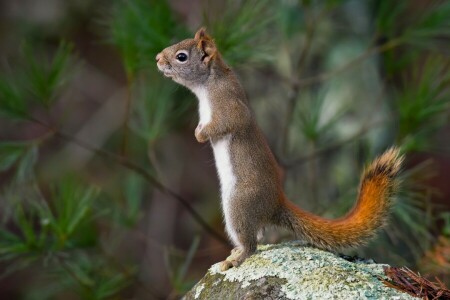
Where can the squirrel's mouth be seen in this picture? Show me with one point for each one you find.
(166, 71)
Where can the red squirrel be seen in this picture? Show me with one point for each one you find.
(251, 186)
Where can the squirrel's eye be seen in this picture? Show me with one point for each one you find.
(182, 57)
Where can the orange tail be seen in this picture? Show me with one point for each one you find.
(379, 183)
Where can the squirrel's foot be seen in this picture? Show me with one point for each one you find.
(225, 265)
(235, 259)
(228, 264)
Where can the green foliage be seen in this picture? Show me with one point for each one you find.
(25, 167)
(295, 17)
(424, 107)
(12, 101)
(71, 211)
(240, 29)
(178, 267)
(130, 212)
(10, 153)
(53, 223)
(410, 207)
(95, 278)
(140, 29)
(432, 30)
(291, 18)
(387, 15)
(429, 29)
(157, 107)
(21, 155)
(62, 224)
(311, 119)
(52, 231)
(36, 80)
(45, 79)
(446, 218)
(48, 226)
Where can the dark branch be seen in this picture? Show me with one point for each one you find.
(125, 162)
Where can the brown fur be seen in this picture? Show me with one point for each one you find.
(258, 198)
(378, 185)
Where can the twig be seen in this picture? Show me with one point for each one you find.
(301, 160)
(125, 272)
(364, 129)
(72, 274)
(295, 88)
(327, 75)
(146, 175)
(124, 146)
(405, 280)
(125, 162)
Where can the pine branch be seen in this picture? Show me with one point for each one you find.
(332, 147)
(295, 89)
(125, 162)
(352, 63)
(125, 125)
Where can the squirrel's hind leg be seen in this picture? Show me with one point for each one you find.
(260, 235)
(248, 241)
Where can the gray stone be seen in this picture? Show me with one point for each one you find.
(293, 271)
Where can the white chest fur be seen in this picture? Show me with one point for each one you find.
(227, 178)
(222, 157)
(204, 105)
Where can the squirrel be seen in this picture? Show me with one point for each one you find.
(251, 185)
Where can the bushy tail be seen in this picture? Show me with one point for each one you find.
(378, 185)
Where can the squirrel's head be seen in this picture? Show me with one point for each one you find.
(189, 62)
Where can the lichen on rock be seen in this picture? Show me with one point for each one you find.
(293, 271)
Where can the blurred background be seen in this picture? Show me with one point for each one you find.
(105, 193)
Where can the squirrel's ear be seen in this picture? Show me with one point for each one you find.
(209, 49)
(201, 34)
(206, 44)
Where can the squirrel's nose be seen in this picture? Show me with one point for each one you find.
(158, 57)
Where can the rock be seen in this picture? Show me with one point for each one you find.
(293, 271)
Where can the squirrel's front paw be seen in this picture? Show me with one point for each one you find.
(199, 135)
